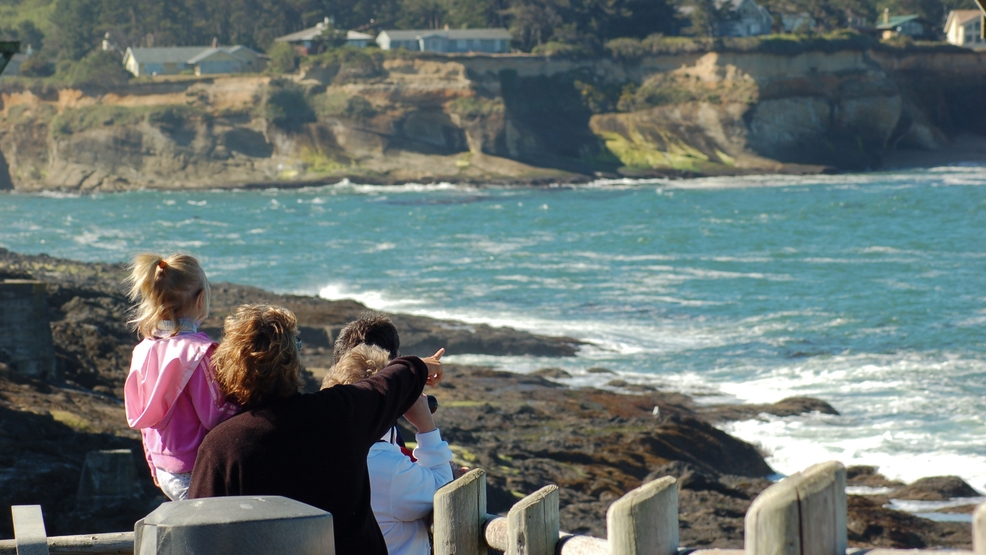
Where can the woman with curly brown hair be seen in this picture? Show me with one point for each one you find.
(311, 447)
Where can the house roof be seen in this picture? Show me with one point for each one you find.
(310, 33)
(184, 54)
(167, 54)
(897, 21)
(313, 33)
(451, 34)
(212, 53)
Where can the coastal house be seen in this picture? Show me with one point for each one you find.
(965, 28)
(493, 41)
(314, 40)
(745, 18)
(901, 25)
(200, 60)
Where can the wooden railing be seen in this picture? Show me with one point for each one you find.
(803, 514)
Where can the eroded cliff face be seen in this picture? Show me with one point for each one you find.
(494, 118)
(843, 109)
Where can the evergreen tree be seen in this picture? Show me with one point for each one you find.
(76, 28)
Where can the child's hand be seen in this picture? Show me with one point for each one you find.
(434, 363)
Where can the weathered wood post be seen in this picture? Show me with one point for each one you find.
(645, 521)
(533, 524)
(29, 530)
(803, 514)
(241, 525)
(979, 530)
(460, 510)
(25, 330)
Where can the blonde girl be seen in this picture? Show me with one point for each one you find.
(171, 394)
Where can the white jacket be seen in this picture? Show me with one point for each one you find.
(402, 492)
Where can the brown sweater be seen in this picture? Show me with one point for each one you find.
(312, 448)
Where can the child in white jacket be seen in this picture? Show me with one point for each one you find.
(402, 491)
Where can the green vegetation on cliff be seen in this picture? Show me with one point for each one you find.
(60, 30)
(79, 120)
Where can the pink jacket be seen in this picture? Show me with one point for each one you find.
(171, 396)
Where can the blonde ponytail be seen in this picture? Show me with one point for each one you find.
(166, 290)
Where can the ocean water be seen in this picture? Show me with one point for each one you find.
(867, 291)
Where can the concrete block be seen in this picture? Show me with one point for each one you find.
(25, 330)
(241, 525)
(107, 477)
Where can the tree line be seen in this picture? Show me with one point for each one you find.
(68, 30)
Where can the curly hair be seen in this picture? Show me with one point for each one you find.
(166, 289)
(362, 361)
(372, 329)
(257, 360)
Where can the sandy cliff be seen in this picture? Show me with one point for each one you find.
(495, 118)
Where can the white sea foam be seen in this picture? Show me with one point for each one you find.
(794, 443)
(59, 195)
(105, 239)
(377, 300)
(348, 187)
(914, 506)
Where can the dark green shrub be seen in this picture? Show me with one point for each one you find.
(353, 64)
(37, 66)
(97, 69)
(283, 58)
(626, 48)
(173, 115)
(360, 108)
(562, 50)
(287, 105)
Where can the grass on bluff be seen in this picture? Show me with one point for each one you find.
(77, 120)
(471, 107)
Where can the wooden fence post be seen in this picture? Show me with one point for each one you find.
(533, 524)
(979, 530)
(804, 514)
(460, 510)
(645, 521)
(29, 530)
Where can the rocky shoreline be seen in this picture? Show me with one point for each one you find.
(526, 431)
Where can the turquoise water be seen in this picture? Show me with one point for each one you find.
(867, 291)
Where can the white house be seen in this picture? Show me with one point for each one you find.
(312, 40)
(358, 40)
(749, 19)
(964, 28)
(201, 60)
(495, 40)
